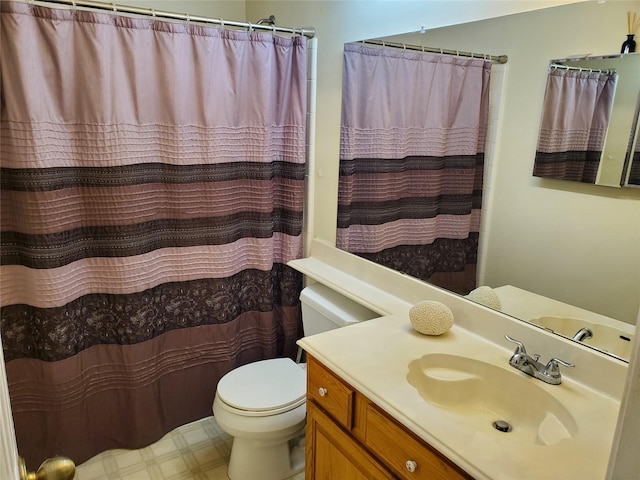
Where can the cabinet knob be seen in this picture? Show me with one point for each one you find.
(322, 391)
(411, 466)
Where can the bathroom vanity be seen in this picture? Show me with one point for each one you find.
(383, 400)
(347, 434)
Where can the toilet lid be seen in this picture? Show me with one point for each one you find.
(264, 386)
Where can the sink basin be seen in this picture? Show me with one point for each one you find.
(480, 393)
(607, 338)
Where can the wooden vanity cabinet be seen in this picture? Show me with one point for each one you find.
(349, 437)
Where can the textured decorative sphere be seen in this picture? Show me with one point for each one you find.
(486, 296)
(431, 317)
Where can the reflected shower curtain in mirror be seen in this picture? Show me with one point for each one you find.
(152, 194)
(634, 168)
(411, 161)
(575, 117)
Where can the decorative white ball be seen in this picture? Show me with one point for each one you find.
(485, 296)
(431, 317)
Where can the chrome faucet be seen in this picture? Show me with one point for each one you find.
(549, 373)
(583, 334)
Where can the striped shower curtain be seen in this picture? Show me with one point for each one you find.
(411, 161)
(575, 117)
(634, 167)
(152, 194)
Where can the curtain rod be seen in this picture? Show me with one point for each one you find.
(306, 31)
(557, 66)
(442, 51)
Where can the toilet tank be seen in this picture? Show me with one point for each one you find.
(325, 309)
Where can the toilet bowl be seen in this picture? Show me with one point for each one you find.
(262, 404)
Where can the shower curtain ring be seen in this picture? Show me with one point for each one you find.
(115, 8)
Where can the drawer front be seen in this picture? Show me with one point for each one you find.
(404, 454)
(330, 393)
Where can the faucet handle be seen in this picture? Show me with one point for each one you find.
(552, 367)
(519, 345)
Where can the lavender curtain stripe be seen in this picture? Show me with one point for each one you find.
(115, 145)
(428, 184)
(399, 143)
(57, 286)
(368, 238)
(558, 140)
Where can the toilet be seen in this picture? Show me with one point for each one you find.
(262, 405)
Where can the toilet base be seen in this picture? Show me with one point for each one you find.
(266, 460)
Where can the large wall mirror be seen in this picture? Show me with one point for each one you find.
(570, 250)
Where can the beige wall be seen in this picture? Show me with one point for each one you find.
(227, 9)
(532, 219)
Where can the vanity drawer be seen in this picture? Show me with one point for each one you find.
(401, 451)
(330, 393)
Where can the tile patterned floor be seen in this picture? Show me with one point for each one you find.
(196, 451)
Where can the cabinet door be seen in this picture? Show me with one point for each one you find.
(332, 454)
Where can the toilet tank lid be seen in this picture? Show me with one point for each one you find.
(264, 385)
(340, 309)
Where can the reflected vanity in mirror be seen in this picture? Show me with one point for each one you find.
(589, 120)
(548, 241)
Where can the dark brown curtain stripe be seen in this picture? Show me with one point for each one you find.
(52, 334)
(574, 166)
(634, 174)
(54, 178)
(371, 213)
(456, 259)
(55, 250)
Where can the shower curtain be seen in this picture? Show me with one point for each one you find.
(634, 168)
(411, 161)
(152, 194)
(575, 117)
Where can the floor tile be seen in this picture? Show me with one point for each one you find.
(196, 451)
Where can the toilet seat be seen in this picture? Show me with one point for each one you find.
(264, 388)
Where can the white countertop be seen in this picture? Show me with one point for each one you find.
(373, 357)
